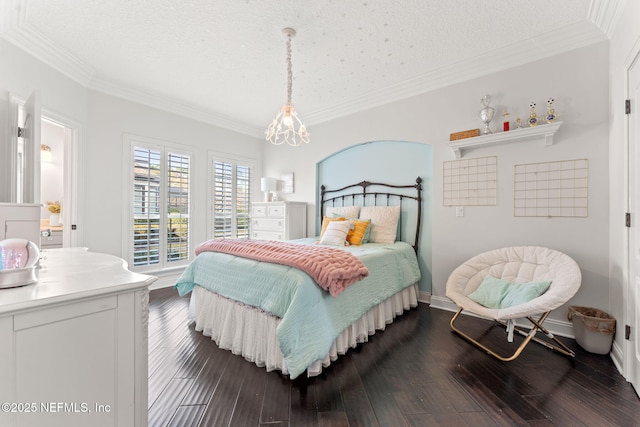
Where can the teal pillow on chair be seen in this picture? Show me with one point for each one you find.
(500, 293)
(524, 292)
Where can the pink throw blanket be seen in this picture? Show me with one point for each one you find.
(331, 268)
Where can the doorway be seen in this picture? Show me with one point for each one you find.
(52, 194)
(60, 178)
(45, 168)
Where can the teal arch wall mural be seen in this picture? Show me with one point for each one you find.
(392, 162)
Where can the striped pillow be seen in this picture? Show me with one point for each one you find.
(336, 233)
(325, 223)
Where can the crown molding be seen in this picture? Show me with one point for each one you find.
(14, 29)
(602, 17)
(605, 14)
(544, 46)
(174, 106)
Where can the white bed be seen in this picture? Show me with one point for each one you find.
(254, 329)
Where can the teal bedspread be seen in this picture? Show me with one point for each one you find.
(311, 319)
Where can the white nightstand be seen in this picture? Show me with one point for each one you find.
(278, 220)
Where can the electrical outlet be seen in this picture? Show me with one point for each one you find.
(459, 210)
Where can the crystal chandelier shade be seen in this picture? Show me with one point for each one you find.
(287, 127)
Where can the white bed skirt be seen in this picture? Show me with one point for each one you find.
(251, 332)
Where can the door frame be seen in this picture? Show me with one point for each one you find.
(631, 370)
(73, 174)
(71, 177)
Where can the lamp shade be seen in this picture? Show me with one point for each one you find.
(268, 184)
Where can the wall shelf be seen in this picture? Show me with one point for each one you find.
(541, 132)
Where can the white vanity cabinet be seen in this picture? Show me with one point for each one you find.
(20, 220)
(278, 220)
(73, 346)
(50, 238)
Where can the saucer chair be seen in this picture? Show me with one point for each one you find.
(515, 268)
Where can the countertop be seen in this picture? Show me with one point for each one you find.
(44, 225)
(72, 273)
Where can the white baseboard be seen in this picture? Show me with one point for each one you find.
(556, 327)
(165, 280)
(443, 303)
(617, 357)
(424, 297)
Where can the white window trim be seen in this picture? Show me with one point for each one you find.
(226, 157)
(129, 141)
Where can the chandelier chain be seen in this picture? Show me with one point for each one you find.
(287, 128)
(289, 71)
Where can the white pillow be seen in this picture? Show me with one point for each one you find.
(336, 233)
(384, 222)
(346, 211)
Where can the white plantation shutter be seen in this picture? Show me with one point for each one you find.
(178, 207)
(230, 198)
(223, 201)
(243, 201)
(146, 207)
(159, 224)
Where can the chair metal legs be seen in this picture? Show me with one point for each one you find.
(529, 335)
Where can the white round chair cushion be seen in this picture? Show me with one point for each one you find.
(517, 264)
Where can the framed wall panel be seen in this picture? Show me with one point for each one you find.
(551, 189)
(470, 182)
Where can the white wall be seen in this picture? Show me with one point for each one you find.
(109, 118)
(623, 39)
(21, 75)
(104, 120)
(581, 100)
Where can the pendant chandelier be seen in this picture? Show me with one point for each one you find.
(287, 127)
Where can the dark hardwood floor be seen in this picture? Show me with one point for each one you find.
(415, 373)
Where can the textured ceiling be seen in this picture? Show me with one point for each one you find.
(223, 61)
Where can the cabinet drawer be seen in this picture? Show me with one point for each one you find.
(275, 210)
(60, 313)
(51, 239)
(267, 235)
(260, 210)
(270, 224)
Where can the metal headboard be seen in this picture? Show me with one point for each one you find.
(349, 197)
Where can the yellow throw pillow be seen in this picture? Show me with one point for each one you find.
(358, 231)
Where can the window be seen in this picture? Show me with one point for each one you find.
(158, 222)
(230, 201)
